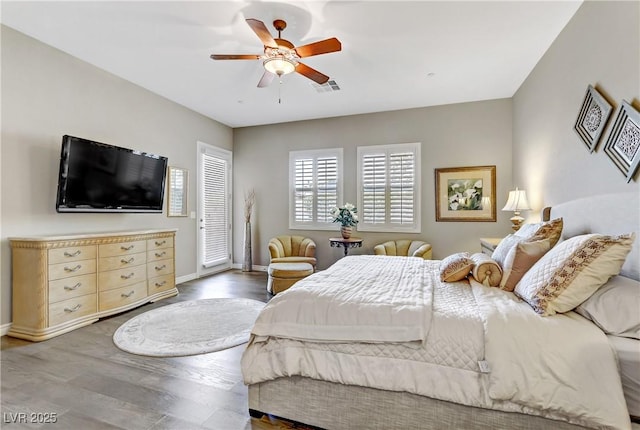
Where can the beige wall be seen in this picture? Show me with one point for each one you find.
(599, 46)
(46, 94)
(469, 134)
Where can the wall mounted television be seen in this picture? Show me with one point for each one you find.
(96, 177)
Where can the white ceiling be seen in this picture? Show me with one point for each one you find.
(395, 55)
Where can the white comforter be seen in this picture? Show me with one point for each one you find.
(561, 367)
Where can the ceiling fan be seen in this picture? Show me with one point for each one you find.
(281, 56)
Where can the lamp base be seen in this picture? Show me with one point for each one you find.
(516, 222)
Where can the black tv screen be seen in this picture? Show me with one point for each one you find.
(96, 177)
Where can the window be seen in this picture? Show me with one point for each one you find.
(315, 186)
(389, 188)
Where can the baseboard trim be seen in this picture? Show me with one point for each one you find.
(4, 329)
(254, 268)
(186, 278)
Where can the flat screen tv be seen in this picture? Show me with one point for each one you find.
(96, 177)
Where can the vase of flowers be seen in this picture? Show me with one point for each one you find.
(347, 217)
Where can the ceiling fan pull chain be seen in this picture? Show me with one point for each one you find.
(279, 87)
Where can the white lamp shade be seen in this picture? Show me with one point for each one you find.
(279, 65)
(517, 201)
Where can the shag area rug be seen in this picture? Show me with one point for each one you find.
(189, 328)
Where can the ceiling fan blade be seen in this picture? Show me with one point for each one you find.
(312, 74)
(235, 57)
(323, 47)
(266, 79)
(262, 32)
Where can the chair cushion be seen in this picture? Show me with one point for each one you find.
(290, 270)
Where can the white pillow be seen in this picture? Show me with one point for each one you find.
(528, 230)
(500, 253)
(572, 271)
(615, 307)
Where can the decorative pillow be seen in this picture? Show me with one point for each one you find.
(485, 270)
(615, 307)
(572, 271)
(500, 253)
(528, 230)
(455, 267)
(551, 230)
(520, 259)
(543, 230)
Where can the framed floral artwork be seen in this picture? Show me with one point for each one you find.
(466, 193)
(593, 117)
(623, 144)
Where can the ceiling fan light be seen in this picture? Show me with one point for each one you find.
(279, 65)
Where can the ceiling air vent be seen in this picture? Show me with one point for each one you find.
(328, 87)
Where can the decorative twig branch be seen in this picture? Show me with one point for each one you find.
(249, 200)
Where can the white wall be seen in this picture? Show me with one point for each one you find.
(46, 94)
(599, 46)
(469, 134)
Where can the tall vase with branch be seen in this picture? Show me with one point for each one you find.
(249, 201)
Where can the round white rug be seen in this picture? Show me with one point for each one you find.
(189, 328)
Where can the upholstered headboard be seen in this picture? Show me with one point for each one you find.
(606, 214)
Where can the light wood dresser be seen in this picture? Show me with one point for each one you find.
(61, 283)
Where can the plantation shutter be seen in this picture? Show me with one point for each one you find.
(315, 182)
(327, 188)
(388, 187)
(374, 184)
(215, 222)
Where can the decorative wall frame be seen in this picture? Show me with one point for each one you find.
(466, 193)
(623, 144)
(593, 117)
(178, 191)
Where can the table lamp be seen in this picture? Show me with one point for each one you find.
(517, 202)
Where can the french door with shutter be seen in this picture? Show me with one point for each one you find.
(214, 209)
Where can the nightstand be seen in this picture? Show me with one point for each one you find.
(488, 244)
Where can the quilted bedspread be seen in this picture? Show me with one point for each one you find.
(361, 323)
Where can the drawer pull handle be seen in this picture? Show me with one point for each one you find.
(125, 295)
(123, 261)
(160, 243)
(73, 309)
(161, 267)
(75, 287)
(160, 284)
(161, 254)
(74, 254)
(130, 275)
(127, 248)
(73, 269)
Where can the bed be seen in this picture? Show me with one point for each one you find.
(382, 342)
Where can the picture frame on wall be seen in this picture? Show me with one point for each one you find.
(623, 144)
(466, 194)
(592, 118)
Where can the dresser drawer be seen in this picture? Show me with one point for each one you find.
(122, 296)
(71, 309)
(72, 253)
(67, 288)
(121, 261)
(72, 268)
(159, 254)
(121, 277)
(159, 243)
(161, 283)
(160, 267)
(124, 248)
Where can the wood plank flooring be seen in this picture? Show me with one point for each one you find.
(88, 383)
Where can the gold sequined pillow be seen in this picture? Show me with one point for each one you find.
(455, 267)
(571, 272)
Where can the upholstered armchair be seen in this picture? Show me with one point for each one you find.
(293, 249)
(404, 247)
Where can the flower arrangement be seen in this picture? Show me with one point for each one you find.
(345, 215)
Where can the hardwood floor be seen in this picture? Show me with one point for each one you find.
(86, 382)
